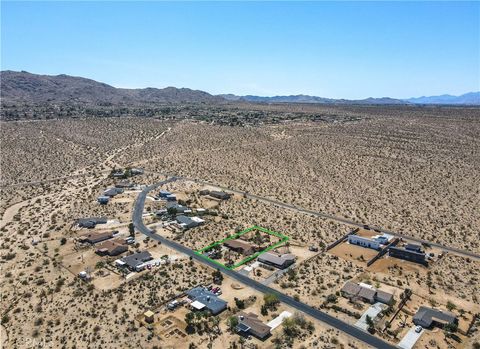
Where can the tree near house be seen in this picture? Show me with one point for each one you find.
(131, 229)
(232, 323)
(270, 300)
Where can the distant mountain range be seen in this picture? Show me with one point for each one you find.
(472, 98)
(24, 87)
(33, 88)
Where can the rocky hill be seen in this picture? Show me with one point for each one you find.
(30, 88)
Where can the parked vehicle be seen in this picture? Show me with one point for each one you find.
(418, 329)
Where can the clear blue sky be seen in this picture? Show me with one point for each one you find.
(339, 50)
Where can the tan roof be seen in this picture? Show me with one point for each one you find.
(351, 288)
(110, 245)
(149, 313)
(257, 327)
(238, 244)
(94, 236)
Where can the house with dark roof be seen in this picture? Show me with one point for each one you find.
(371, 295)
(91, 222)
(204, 299)
(164, 193)
(280, 261)
(112, 248)
(429, 317)
(173, 205)
(414, 248)
(221, 195)
(408, 255)
(240, 246)
(135, 261)
(103, 199)
(250, 324)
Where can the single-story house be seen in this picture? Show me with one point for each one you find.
(375, 242)
(171, 197)
(112, 191)
(280, 261)
(240, 246)
(112, 248)
(409, 255)
(366, 293)
(189, 222)
(164, 193)
(93, 238)
(429, 317)
(137, 171)
(103, 199)
(219, 195)
(161, 212)
(250, 324)
(91, 222)
(175, 205)
(135, 261)
(204, 192)
(204, 299)
(124, 184)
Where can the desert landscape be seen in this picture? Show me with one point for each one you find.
(372, 165)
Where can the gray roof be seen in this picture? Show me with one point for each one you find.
(113, 191)
(186, 220)
(209, 299)
(413, 247)
(425, 316)
(383, 297)
(136, 259)
(92, 221)
(275, 259)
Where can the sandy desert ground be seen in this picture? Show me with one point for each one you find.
(413, 170)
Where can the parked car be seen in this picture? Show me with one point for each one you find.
(418, 329)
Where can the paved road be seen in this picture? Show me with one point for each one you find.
(317, 314)
(457, 251)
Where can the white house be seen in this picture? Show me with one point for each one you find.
(375, 242)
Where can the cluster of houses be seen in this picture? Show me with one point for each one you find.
(108, 194)
(183, 217)
(203, 299)
(425, 317)
(411, 252)
(246, 248)
(106, 243)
